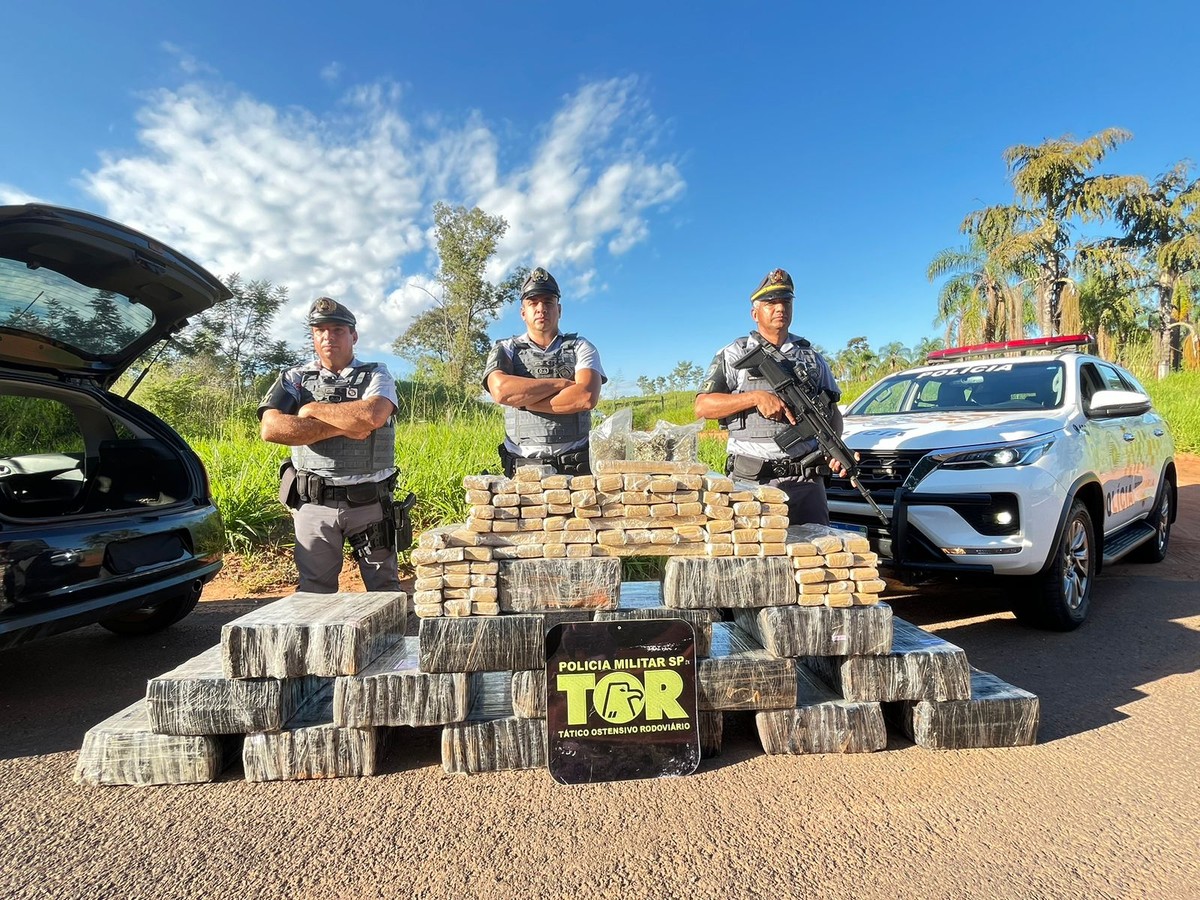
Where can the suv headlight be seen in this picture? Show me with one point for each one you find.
(990, 456)
(1000, 456)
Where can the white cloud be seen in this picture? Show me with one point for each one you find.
(12, 196)
(331, 73)
(342, 204)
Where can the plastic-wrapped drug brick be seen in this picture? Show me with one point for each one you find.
(646, 467)
(482, 643)
(313, 634)
(821, 722)
(997, 715)
(393, 691)
(529, 694)
(548, 584)
(920, 666)
(797, 631)
(828, 539)
(493, 739)
(123, 750)
(311, 746)
(707, 583)
(643, 600)
(740, 674)
(710, 726)
(196, 698)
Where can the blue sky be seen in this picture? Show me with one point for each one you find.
(658, 158)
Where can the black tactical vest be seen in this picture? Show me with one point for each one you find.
(751, 425)
(339, 456)
(545, 429)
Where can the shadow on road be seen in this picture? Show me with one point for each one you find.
(54, 690)
(1134, 635)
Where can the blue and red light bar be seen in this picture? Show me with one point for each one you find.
(1030, 345)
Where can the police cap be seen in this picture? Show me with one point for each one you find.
(776, 286)
(325, 310)
(540, 283)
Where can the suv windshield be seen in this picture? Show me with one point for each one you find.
(998, 386)
(45, 303)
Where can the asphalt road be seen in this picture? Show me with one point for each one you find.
(1106, 805)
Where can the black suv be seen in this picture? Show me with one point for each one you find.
(105, 512)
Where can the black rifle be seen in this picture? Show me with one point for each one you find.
(789, 382)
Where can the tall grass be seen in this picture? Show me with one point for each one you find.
(434, 456)
(244, 473)
(1175, 397)
(441, 439)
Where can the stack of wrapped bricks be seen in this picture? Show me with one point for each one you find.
(788, 625)
(628, 508)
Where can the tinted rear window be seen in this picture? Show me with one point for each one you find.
(45, 303)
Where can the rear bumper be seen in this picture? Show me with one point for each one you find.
(19, 625)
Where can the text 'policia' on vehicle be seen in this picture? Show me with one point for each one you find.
(1022, 459)
(105, 512)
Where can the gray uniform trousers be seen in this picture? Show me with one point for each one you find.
(321, 532)
(807, 503)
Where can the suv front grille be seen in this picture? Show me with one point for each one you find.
(879, 471)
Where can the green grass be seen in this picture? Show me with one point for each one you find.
(433, 457)
(244, 473)
(1175, 398)
(441, 439)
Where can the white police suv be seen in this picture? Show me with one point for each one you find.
(1026, 459)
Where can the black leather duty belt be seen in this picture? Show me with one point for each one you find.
(766, 469)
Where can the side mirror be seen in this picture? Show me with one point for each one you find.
(1117, 403)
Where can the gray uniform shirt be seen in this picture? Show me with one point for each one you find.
(379, 384)
(501, 360)
(723, 378)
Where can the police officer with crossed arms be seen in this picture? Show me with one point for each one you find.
(548, 382)
(754, 414)
(337, 415)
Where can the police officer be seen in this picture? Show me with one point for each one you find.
(754, 414)
(336, 413)
(549, 383)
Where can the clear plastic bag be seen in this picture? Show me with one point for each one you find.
(666, 443)
(607, 440)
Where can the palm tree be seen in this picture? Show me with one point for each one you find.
(1109, 309)
(925, 346)
(1054, 190)
(979, 302)
(1162, 233)
(893, 357)
(855, 361)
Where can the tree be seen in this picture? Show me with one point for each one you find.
(893, 357)
(685, 376)
(1162, 238)
(1109, 308)
(924, 347)
(234, 335)
(983, 299)
(856, 361)
(1054, 190)
(651, 386)
(449, 343)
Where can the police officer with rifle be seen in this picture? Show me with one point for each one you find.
(737, 392)
(337, 416)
